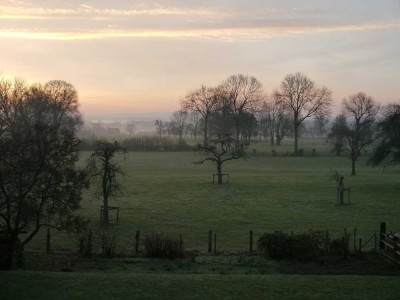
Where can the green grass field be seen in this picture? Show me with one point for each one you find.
(168, 193)
(39, 285)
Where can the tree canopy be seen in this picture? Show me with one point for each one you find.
(388, 148)
(39, 183)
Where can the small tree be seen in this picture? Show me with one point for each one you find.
(361, 109)
(221, 150)
(106, 171)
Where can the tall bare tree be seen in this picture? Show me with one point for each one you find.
(203, 101)
(240, 94)
(304, 98)
(361, 111)
(274, 114)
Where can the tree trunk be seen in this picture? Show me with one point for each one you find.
(353, 166)
(205, 134)
(278, 140)
(296, 132)
(237, 136)
(219, 171)
(13, 254)
(272, 140)
(105, 220)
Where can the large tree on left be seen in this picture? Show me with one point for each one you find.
(39, 182)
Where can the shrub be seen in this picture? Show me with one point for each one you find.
(153, 143)
(302, 247)
(160, 246)
(275, 245)
(109, 242)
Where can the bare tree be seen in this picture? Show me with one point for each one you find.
(240, 94)
(275, 116)
(202, 101)
(338, 133)
(361, 110)
(301, 95)
(160, 127)
(221, 150)
(180, 119)
(104, 168)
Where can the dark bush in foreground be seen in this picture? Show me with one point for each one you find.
(302, 247)
(160, 246)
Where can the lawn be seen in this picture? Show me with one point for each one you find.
(166, 192)
(41, 285)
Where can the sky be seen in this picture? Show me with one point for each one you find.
(139, 57)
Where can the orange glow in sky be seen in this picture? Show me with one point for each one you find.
(145, 56)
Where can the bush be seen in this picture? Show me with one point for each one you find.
(108, 242)
(163, 247)
(302, 247)
(275, 245)
(153, 143)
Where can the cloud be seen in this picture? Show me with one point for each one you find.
(226, 34)
(83, 10)
(25, 20)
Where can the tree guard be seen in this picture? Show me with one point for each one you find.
(110, 208)
(340, 193)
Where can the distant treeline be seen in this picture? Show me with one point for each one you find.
(143, 143)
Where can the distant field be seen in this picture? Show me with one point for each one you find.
(38, 285)
(167, 192)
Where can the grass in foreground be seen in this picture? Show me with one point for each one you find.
(38, 285)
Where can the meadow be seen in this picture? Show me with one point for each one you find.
(42, 285)
(166, 192)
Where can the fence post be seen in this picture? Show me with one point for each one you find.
(209, 241)
(251, 240)
(345, 244)
(355, 238)
(89, 247)
(48, 248)
(382, 232)
(215, 243)
(137, 240)
(103, 243)
(81, 243)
